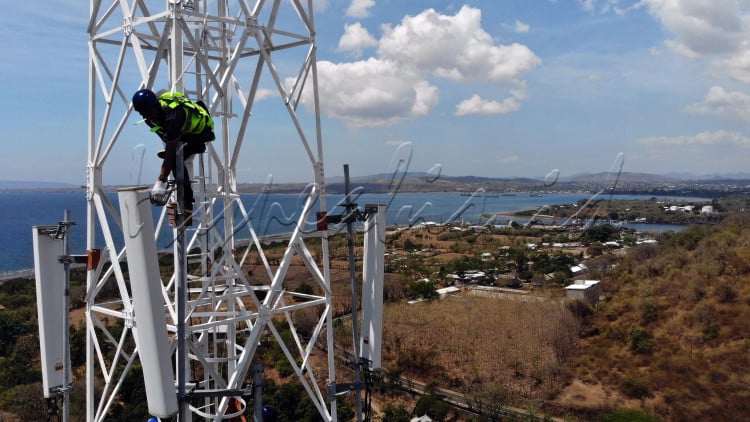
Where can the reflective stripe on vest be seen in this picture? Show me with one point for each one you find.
(196, 119)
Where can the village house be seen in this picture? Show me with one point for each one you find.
(587, 290)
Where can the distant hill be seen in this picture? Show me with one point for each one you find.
(624, 183)
(602, 177)
(625, 177)
(711, 176)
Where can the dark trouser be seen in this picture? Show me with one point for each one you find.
(190, 147)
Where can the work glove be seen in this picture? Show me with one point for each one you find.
(159, 189)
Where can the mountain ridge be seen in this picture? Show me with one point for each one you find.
(421, 181)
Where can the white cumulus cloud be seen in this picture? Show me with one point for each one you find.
(587, 4)
(373, 92)
(395, 85)
(478, 105)
(714, 138)
(320, 5)
(517, 26)
(703, 27)
(455, 47)
(264, 93)
(360, 8)
(717, 150)
(736, 66)
(720, 102)
(355, 39)
(521, 27)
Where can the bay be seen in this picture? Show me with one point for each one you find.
(269, 214)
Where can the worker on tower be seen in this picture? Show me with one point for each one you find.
(180, 123)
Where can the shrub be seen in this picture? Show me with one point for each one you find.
(395, 413)
(304, 288)
(580, 308)
(634, 388)
(24, 401)
(641, 341)
(629, 416)
(596, 249)
(409, 245)
(726, 293)
(706, 316)
(417, 360)
(649, 312)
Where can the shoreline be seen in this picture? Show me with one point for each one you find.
(27, 274)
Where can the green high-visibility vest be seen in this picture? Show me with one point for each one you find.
(197, 118)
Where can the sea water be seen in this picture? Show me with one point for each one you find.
(267, 214)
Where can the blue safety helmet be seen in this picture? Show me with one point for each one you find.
(269, 414)
(144, 99)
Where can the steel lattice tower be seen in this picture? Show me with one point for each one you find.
(220, 52)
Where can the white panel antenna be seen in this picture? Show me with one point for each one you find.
(148, 303)
(373, 266)
(51, 308)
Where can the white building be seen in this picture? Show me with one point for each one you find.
(579, 269)
(479, 229)
(587, 290)
(447, 290)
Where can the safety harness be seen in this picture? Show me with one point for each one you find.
(197, 118)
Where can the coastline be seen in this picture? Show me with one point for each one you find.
(27, 274)
(404, 209)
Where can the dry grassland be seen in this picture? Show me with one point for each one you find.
(467, 343)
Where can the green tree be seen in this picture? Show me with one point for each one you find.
(409, 245)
(304, 289)
(132, 404)
(421, 289)
(344, 411)
(596, 249)
(13, 324)
(25, 401)
(395, 413)
(686, 239)
(601, 233)
(23, 359)
(489, 399)
(432, 406)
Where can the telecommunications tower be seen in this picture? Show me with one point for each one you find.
(196, 331)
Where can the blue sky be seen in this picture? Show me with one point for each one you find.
(494, 88)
